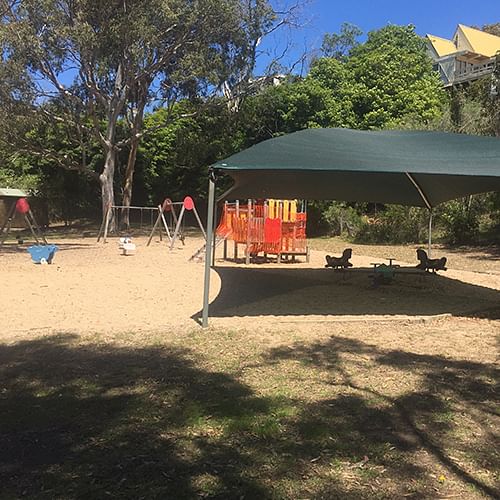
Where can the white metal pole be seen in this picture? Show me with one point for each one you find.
(208, 249)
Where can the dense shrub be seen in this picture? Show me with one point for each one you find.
(460, 222)
(395, 224)
(342, 218)
(471, 220)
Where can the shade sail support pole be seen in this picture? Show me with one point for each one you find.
(429, 244)
(429, 207)
(208, 248)
(419, 189)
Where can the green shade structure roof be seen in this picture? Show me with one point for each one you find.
(417, 168)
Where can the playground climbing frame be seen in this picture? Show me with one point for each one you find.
(268, 227)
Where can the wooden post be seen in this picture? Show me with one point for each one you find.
(174, 218)
(8, 222)
(199, 223)
(35, 224)
(177, 227)
(106, 225)
(165, 225)
(155, 225)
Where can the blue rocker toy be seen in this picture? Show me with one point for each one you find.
(42, 254)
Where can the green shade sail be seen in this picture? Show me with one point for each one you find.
(414, 168)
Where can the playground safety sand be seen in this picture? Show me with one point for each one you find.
(91, 288)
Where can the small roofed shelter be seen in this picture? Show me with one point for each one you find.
(11, 217)
(415, 168)
(8, 199)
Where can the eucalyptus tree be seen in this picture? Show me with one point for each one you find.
(220, 62)
(101, 62)
(339, 45)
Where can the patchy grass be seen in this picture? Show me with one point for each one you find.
(351, 411)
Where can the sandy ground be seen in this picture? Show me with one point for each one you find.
(91, 287)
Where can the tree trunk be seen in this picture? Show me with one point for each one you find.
(129, 180)
(129, 173)
(107, 191)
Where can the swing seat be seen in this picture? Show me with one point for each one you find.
(42, 253)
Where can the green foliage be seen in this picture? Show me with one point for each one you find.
(309, 104)
(321, 99)
(343, 218)
(365, 223)
(340, 45)
(86, 65)
(393, 78)
(395, 224)
(288, 108)
(173, 158)
(16, 173)
(460, 220)
(471, 220)
(386, 82)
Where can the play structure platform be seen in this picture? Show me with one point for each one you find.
(264, 227)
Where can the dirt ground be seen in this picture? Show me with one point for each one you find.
(310, 383)
(91, 287)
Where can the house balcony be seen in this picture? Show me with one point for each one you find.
(463, 68)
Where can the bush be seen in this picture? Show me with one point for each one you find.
(395, 224)
(461, 219)
(342, 218)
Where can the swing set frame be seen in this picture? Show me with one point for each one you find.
(104, 229)
(167, 206)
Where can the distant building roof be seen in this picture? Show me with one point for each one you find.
(442, 46)
(481, 42)
(466, 39)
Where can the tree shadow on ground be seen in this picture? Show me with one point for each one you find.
(453, 413)
(82, 421)
(98, 421)
(309, 291)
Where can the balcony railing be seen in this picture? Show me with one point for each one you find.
(460, 76)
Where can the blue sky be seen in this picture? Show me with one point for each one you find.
(438, 17)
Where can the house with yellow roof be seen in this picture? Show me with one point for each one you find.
(469, 55)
